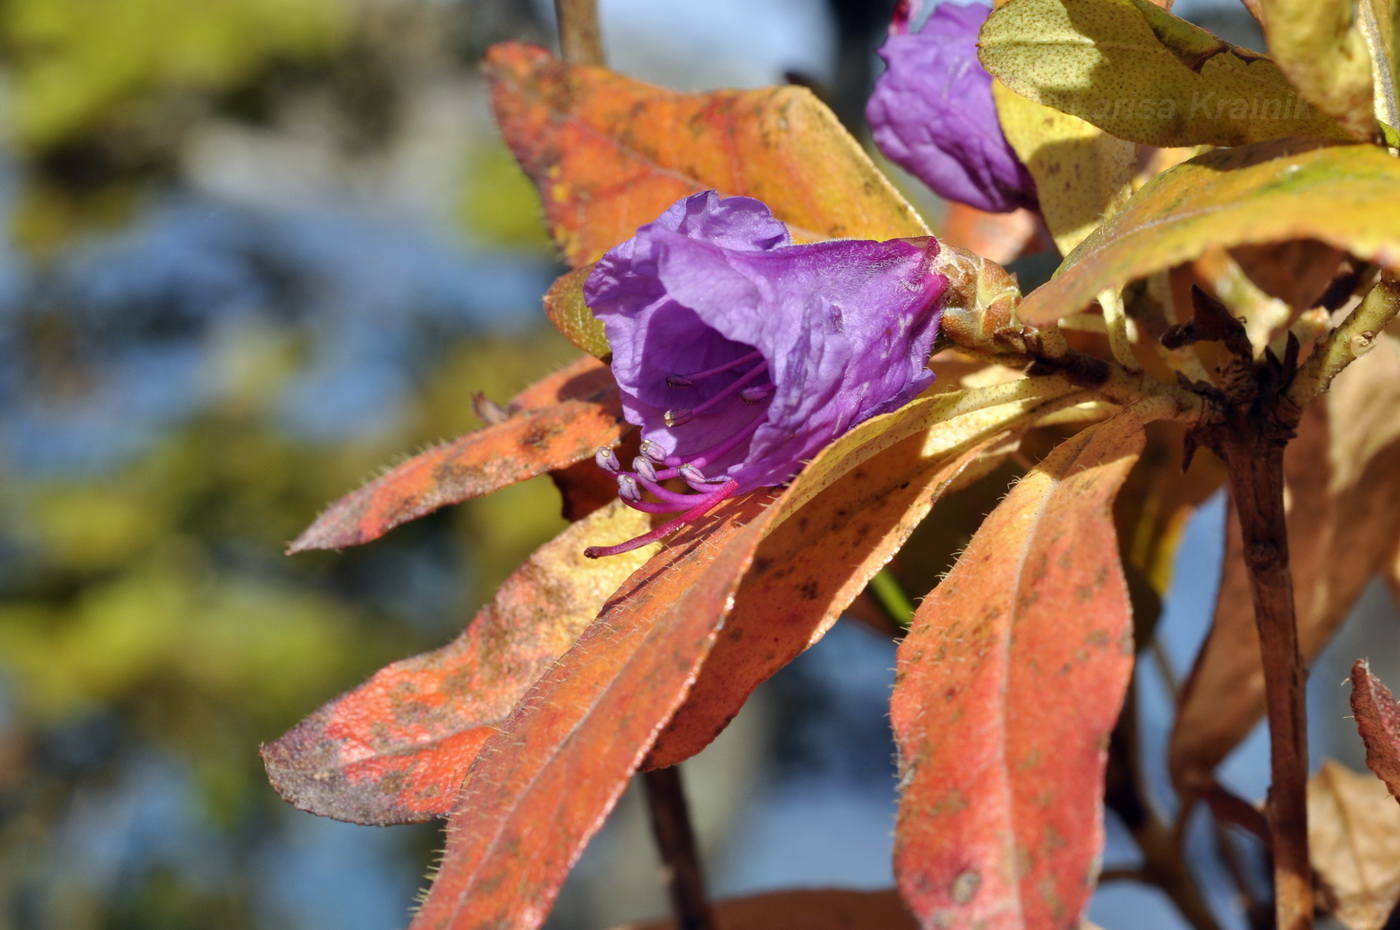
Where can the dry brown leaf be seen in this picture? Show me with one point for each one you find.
(1354, 835)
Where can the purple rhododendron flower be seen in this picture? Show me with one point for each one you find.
(932, 111)
(741, 355)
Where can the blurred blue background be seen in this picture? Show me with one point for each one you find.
(253, 251)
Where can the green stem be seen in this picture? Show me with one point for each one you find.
(1346, 343)
(892, 597)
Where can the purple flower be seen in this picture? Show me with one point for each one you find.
(932, 111)
(741, 355)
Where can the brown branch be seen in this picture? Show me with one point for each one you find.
(580, 39)
(670, 821)
(1252, 446)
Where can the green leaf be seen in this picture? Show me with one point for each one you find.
(1268, 192)
(1319, 45)
(564, 306)
(1142, 74)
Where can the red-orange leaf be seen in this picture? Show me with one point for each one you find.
(609, 154)
(395, 749)
(809, 569)
(543, 783)
(561, 420)
(1008, 685)
(1378, 718)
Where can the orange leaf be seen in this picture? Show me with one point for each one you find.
(796, 590)
(395, 749)
(599, 709)
(1008, 685)
(609, 154)
(563, 419)
(543, 783)
(1378, 719)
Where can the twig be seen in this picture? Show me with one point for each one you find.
(1228, 807)
(1383, 80)
(1162, 861)
(670, 821)
(1253, 452)
(580, 39)
(1115, 319)
(1343, 345)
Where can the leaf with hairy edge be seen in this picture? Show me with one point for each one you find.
(542, 784)
(1342, 476)
(395, 749)
(805, 909)
(609, 154)
(1269, 192)
(795, 591)
(599, 709)
(1138, 72)
(565, 307)
(1007, 687)
(1354, 846)
(1378, 719)
(561, 420)
(1319, 45)
(1081, 173)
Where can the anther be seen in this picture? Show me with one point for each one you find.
(757, 394)
(644, 468)
(627, 488)
(678, 416)
(607, 460)
(679, 382)
(695, 478)
(653, 451)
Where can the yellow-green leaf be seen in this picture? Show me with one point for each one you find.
(564, 306)
(1081, 173)
(1319, 45)
(1343, 195)
(1140, 73)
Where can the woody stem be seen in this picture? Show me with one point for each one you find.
(1253, 453)
(675, 840)
(580, 39)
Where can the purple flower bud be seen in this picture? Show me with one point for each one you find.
(782, 347)
(932, 111)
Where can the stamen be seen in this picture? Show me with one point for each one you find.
(677, 417)
(653, 451)
(679, 382)
(665, 494)
(702, 507)
(731, 390)
(757, 394)
(718, 369)
(607, 460)
(706, 456)
(653, 507)
(644, 468)
(695, 478)
(627, 488)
